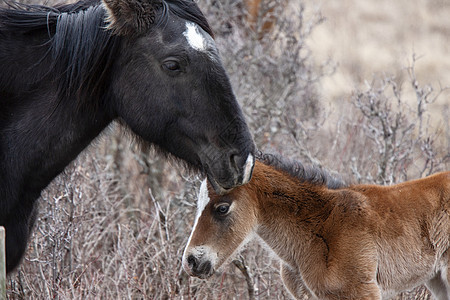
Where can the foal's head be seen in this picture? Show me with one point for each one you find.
(222, 225)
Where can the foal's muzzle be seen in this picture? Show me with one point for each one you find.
(198, 267)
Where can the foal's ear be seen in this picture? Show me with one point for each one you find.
(131, 16)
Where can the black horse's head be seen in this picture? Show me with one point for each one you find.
(170, 87)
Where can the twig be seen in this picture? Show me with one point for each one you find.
(240, 264)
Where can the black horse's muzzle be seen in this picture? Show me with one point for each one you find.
(230, 172)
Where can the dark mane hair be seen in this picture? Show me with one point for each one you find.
(29, 17)
(80, 48)
(296, 169)
(188, 10)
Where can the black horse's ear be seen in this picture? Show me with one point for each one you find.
(127, 17)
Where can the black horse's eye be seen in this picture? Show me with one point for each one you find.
(222, 209)
(171, 65)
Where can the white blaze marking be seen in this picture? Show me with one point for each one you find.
(194, 37)
(203, 200)
(248, 168)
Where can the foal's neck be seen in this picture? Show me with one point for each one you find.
(292, 213)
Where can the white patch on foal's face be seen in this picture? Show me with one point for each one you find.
(200, 251)
(194, 37)
(203, 200)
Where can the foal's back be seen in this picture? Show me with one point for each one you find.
(410, 225)
(396, 208)
(434, 189)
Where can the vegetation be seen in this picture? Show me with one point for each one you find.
(114, 225)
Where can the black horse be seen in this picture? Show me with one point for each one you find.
(66, 72)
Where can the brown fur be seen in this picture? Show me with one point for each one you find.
(356, 242)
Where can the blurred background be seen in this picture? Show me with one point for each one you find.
(360, 88)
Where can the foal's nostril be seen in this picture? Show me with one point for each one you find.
(192, 262)
(205, 268)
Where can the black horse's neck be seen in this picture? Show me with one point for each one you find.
(67, 45)
(55, 65)
(38, 142)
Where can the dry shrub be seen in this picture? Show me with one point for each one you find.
(114, 225)
(386, 140)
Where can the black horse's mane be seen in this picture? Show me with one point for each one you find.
(80, 47)
(29, 17)
(295, 168)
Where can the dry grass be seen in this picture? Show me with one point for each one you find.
(376, 37)
(114, 225)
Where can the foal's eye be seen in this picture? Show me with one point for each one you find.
(222, 209)
(171, 65)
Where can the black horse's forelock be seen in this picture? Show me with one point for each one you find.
(80, 47)
(295, 168)
(189, 11)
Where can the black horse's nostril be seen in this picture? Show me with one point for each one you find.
(243, 165)
(192, 262)
(234, 160)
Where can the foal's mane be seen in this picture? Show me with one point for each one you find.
(296, 169)
(80, 47)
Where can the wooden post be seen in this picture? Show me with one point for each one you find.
(2, 264)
